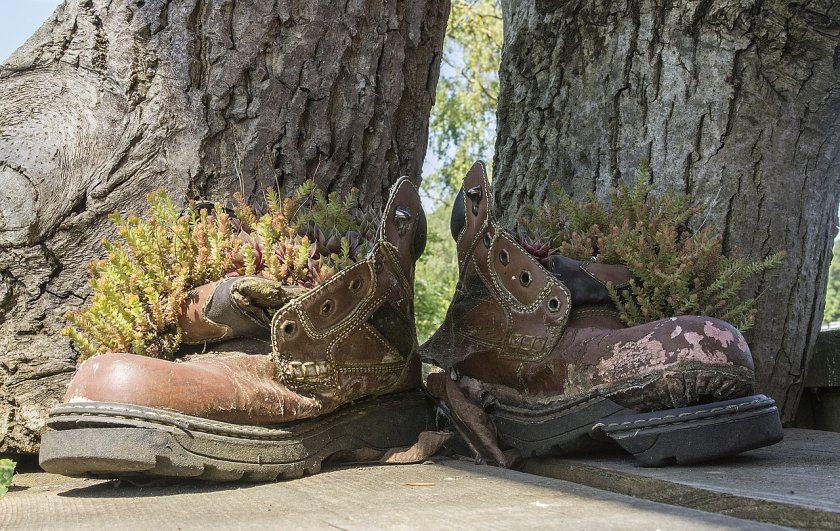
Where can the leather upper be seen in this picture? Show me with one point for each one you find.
(554, 332)
(505, 301)
(354, 335)
(350, 337)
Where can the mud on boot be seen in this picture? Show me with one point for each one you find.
(334, 369)
(543, 352)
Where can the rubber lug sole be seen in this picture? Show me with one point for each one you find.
(94, 439)
(673, 436)
(698, 433)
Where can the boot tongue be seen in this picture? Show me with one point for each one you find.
(420, 235)
(404, 224)
(459, 216)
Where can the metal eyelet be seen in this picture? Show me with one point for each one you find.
(504, 257)
(402, 214)
(289, 328)
(525, 278)
(487, 240)
(553, 304)
(355, 284)
(475, 194)
(327, 307)
(402, 218)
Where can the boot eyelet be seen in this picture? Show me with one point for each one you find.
(402, 218)
(402, 214)
(355, 284)
(504, 257)
(525, 278)
(327, 307)
(475, 194)
(553, 304)
(289, 328)
(487, 240)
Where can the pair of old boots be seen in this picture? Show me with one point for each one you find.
(531, 360)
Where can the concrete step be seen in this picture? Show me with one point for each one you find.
(794, 483)
(445, 494)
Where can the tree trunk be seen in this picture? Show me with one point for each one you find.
(736, 103)
(111, 99)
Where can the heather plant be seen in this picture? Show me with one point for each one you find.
(676, 270)
(145, 278)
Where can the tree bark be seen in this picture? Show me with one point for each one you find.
(111, 99)
(736, 103)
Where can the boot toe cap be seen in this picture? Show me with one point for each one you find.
(706, 340)
(241, 389)
(660, 345)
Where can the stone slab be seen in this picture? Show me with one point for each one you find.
(445, 494)
(794, 483)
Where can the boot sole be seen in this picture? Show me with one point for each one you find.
(95, 439)
(659, 438)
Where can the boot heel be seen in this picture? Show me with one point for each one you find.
(697, 433)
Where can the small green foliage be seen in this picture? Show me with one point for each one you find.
(140, 287)
(436, 274)
(462, 129)
(7, 470)
(677, 271)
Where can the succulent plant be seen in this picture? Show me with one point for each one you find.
(139, 287)
(536, 247)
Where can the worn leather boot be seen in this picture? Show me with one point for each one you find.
(536, 359)
(335, 368)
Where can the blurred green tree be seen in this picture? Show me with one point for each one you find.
(462, 130)
(463, 120)
(436, 275)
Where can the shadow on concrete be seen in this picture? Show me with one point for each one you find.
(123, 488)
(157, 487)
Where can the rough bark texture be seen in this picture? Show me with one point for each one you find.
(111, 99)
(736, 102)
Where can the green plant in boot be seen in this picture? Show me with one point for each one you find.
(144, 280)
(677, 270)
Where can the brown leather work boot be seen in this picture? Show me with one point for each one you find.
(537, 359)
(334, 369)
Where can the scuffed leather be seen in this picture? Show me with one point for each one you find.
(505, 301)
(233, 308)
(500, 331)
(472, 422)
(231, 383)
(324, 342)
(337, 353)
(587, 281)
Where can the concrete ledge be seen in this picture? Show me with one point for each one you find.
(444, 494)
(794, 483)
